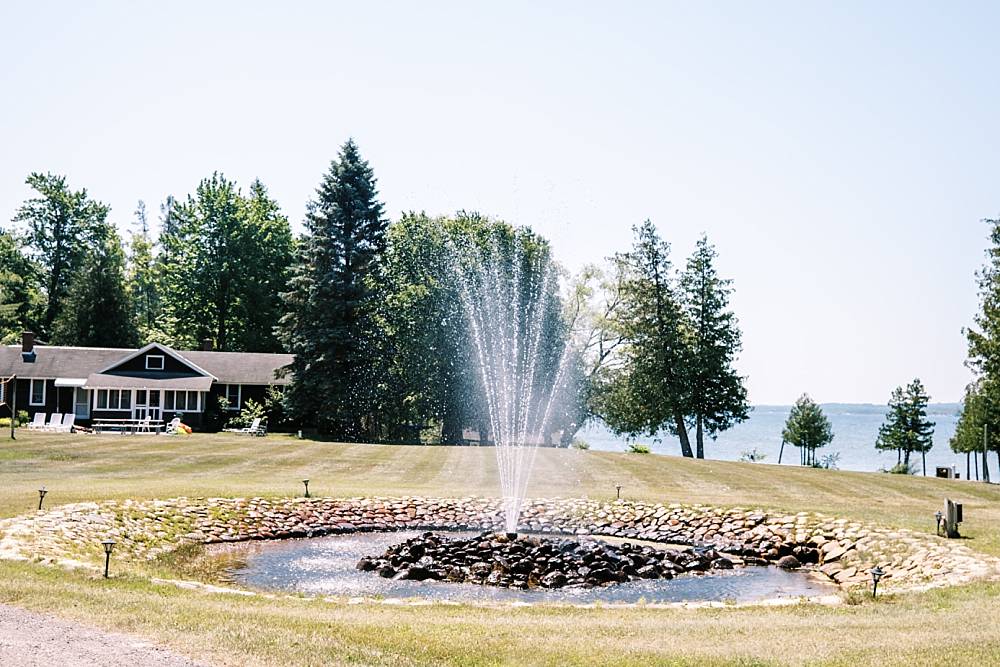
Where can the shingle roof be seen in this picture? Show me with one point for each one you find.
(196, 383)
(54, 361)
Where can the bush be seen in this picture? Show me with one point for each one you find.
(22, 418)
(636, 448)
(900, 469)
(4, 422)
(216, 413)
(579, 443)
(753, 456)
(251, 410)
(829, 462)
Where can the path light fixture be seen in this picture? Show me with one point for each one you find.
(305, 482)
(877, 573)
(108, 545)
(41, 496)
(618, 489)
(938, 516)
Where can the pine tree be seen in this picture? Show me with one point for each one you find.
(143, 282)
(984, 344)
(330, 324)
(97, 311)
(61, 225)
(807, 428)
(650, 391)
(718, 396)
(968, 436)
(907, 429)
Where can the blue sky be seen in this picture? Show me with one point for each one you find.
(841, 156)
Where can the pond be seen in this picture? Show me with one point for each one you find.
(326, 566)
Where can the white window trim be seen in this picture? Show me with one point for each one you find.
(199, 403)
(239, 397)
(94, 391)
(31, 391)
(162, 359)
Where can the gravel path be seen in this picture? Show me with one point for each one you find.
(28, 639)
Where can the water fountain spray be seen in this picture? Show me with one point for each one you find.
(508, 294)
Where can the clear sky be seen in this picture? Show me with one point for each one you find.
(840, 155)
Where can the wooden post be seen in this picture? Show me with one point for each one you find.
(13, 404)
(781, 451)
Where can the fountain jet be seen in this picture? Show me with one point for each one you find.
(508, 292)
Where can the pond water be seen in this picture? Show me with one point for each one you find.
(326, 566)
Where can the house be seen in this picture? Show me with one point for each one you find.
(155, 381)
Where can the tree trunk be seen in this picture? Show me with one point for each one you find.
(906, 458)
(451, 428)
(967, 466)
(975, 462)
(682, 433)
(700, 436)
(923, 462)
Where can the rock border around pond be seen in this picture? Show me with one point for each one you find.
(842, 550)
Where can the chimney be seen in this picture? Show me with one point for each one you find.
(28, 347)
(207, 345)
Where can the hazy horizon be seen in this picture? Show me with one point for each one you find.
(840, 157)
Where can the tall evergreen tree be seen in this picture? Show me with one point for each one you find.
(650, 391)
(97, 311)
(718, 396)
(807, 428)
(60, 225)
(143, 281)
(330, 324)
(225, 262)
(906, 429)
(969, 432)
(984, 344)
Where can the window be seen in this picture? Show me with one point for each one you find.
(114, 399)
(36, 395)
(181, 401)
(154, 362)
(234, 394)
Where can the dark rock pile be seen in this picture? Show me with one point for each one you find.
(528, 561)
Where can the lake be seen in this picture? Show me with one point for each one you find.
(855, 428)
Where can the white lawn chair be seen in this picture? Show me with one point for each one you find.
(67, 423)
(55, 421)
(37, 422)
(171, 427)
(253, 429)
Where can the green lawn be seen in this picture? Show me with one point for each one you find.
(940, 627)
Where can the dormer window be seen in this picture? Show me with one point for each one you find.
(154, 362)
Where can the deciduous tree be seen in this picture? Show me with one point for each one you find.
(60, 224)
(97, 311)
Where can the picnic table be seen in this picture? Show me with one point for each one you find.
(128, 426)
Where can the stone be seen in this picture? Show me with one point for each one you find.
(788, 562)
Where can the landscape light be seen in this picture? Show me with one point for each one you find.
(306, 483)
(938, 515)
(108, 546)
(877, 574)
(618, 488)
(41, 496)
